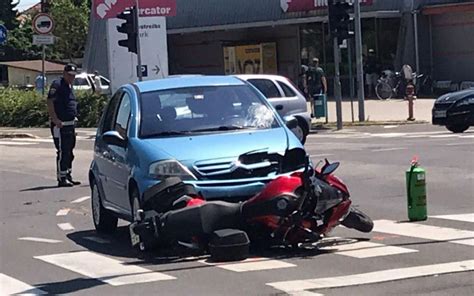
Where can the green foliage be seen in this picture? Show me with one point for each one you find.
(71, 26)
(8, 13)
(28, 108)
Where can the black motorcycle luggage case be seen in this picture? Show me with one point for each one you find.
(229, 245)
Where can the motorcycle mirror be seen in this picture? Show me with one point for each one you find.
(330, 168)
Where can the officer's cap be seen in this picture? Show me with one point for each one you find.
(70, 69)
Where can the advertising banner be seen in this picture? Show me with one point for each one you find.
(154, 52)
(306, 5)
(104, 9)
(251, 59)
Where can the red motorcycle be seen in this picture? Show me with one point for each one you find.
(290, 210)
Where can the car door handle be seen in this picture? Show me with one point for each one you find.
(279, 107)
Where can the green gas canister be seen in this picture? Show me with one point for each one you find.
(416, 192)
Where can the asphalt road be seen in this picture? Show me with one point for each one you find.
(48, 245)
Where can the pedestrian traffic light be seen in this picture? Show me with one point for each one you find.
(340, 21)
(130, 28)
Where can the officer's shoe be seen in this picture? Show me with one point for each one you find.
(64, 183)
(71, 181)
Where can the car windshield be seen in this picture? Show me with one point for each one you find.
(203, 109)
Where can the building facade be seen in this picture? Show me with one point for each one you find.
(219, 37)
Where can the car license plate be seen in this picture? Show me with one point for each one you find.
(135, 238)
(440, 114)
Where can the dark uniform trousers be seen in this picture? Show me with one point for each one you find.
(64, 141)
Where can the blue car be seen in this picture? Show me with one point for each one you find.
(218, 133)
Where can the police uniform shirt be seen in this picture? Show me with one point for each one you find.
(65, 104)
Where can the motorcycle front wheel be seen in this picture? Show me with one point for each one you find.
(358, 221)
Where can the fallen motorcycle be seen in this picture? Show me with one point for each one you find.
(291, 210)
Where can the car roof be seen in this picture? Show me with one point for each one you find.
(260, 76)
(183, 81)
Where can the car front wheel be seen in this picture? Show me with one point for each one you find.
(104, 220)
(457, 128)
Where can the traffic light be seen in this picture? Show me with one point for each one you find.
(130, 28)
(340, 21)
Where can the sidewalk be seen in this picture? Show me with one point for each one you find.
(381, 111)
(376, 111)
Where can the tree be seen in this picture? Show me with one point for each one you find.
(71, 19)
(8, 13)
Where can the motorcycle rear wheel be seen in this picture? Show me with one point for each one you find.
(358, 221)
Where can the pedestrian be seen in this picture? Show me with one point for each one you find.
(62, 109)
(40, 83)
(371, 72)
(316, 82)
(407, 75)
(97, 83)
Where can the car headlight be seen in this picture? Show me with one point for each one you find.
(170, 168)
(466, 102)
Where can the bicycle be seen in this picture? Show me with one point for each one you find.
(390, 84)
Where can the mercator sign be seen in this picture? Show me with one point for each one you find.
(104, 9)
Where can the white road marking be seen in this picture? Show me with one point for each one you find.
(12, 286)
(81, 199)
(435, 233)
(388, 149)
(469, 136)
(41, 240)
(305, 293)
(63, 212)
(367, 250)
(251, 264)
(390, 126)
(388, 135)
(105, 269)
(373, 277)
(457, 217)
(66, 226)
(321, 155)
(459, 144)
(97, 239)
(13, 143)
(445, 136)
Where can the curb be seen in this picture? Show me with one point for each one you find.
(332, 125)
(17, 135)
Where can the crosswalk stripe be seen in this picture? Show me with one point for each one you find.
(251, 264)
(366, 250)
(457, 236)
(63, 212)
(40, 240)
(102, 268)
(457, 217)
(65, 226)
(12, 286)
(373, 277)
(81, 199)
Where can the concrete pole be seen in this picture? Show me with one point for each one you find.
(417, 50)
(360, 69)
(42, 70)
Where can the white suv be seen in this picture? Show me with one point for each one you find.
(85, 81)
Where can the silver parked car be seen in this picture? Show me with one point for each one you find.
(285, 98)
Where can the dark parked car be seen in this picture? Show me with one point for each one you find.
(455, 110)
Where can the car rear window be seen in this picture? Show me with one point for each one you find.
(287, 90)
(80, 81)
(267, 87)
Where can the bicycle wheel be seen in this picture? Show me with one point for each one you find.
(383, 90)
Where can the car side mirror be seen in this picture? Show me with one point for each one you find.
(114, 138)
(291, 122)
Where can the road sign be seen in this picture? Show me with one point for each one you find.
(43, 23)
(144, 70)
(43, 39)
(3, 34)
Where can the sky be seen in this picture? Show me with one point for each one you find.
(24, 4)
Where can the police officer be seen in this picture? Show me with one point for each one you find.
(62, 109)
